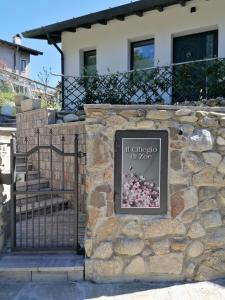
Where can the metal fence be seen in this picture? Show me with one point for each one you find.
(192, 81)
(43, 216)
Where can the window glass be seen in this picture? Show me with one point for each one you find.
(23, 65)
(142, 54)
(90, 63)
(209, 45)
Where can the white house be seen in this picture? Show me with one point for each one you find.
(14, 57)
(139, 35)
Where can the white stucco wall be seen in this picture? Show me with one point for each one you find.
(112, 41)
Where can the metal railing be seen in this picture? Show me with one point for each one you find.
(191, 81)
(16, 84)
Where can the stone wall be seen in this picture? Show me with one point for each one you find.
(44, 119)
(188, 242)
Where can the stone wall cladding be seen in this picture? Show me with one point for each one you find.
(187, 243)
(28, 122)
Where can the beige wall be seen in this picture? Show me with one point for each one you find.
(7, 60)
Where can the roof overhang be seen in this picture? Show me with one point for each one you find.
(53, 32)
(21, 48)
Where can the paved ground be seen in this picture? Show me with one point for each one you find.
(134, 291)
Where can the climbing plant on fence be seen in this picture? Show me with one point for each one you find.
(192, 81)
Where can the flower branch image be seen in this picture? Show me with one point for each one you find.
(137, 192)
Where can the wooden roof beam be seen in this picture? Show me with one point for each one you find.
(71, 29)
(120, 18)
(87, 26)
(160, 8)
(183, 2)
(140, 13)
(103, 22)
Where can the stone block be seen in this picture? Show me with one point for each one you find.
(208, 204)
(201, 140)
(135, 267)
(179, 245)
(161, 247)
(212, 158)
(213, 267)
(221, 167)
(221, 197)
(107, 269)
(190, 197)
(193, 161)
(103, 251)
(166, 264)
(216, 239)
(132, 229)
(177, 204)
(188, 119)
(164, 227)
(195, 249)
(97, 199)
(42, 276)
(188, 216)
(208, 122)
(183, 112)
(196, 231)
(206, 193)
(208, 177)
(211, 219)
(220, 141)
(129, 247)
(146, 124)
(158, 115)
(30, 104)
(110, 229)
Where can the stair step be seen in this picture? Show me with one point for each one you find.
(21, 167)
(34, 197)
(44, 267)
(20, 160)
(40, 205)
(21, 176)
(32, 184)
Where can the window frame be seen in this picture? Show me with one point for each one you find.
(21, 65)
(139, 43)
(85, 56)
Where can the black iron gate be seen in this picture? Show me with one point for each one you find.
(44, 205)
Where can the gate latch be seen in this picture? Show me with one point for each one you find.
(5, 179)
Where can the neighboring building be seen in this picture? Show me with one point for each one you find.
(138, 35)
(16, 58)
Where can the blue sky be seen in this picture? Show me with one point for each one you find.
(22, 15)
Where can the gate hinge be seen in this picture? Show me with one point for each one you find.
(81, 154)
(5, 179)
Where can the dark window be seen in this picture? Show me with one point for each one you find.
(90, 63)
(142, 54)
(23, 65)
(195, 47)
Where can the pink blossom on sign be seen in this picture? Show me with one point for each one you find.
(137, 192)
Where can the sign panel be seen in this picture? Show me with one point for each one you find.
(141, 164)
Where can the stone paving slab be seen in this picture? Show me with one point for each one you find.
(124, 291)
(41, 262)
